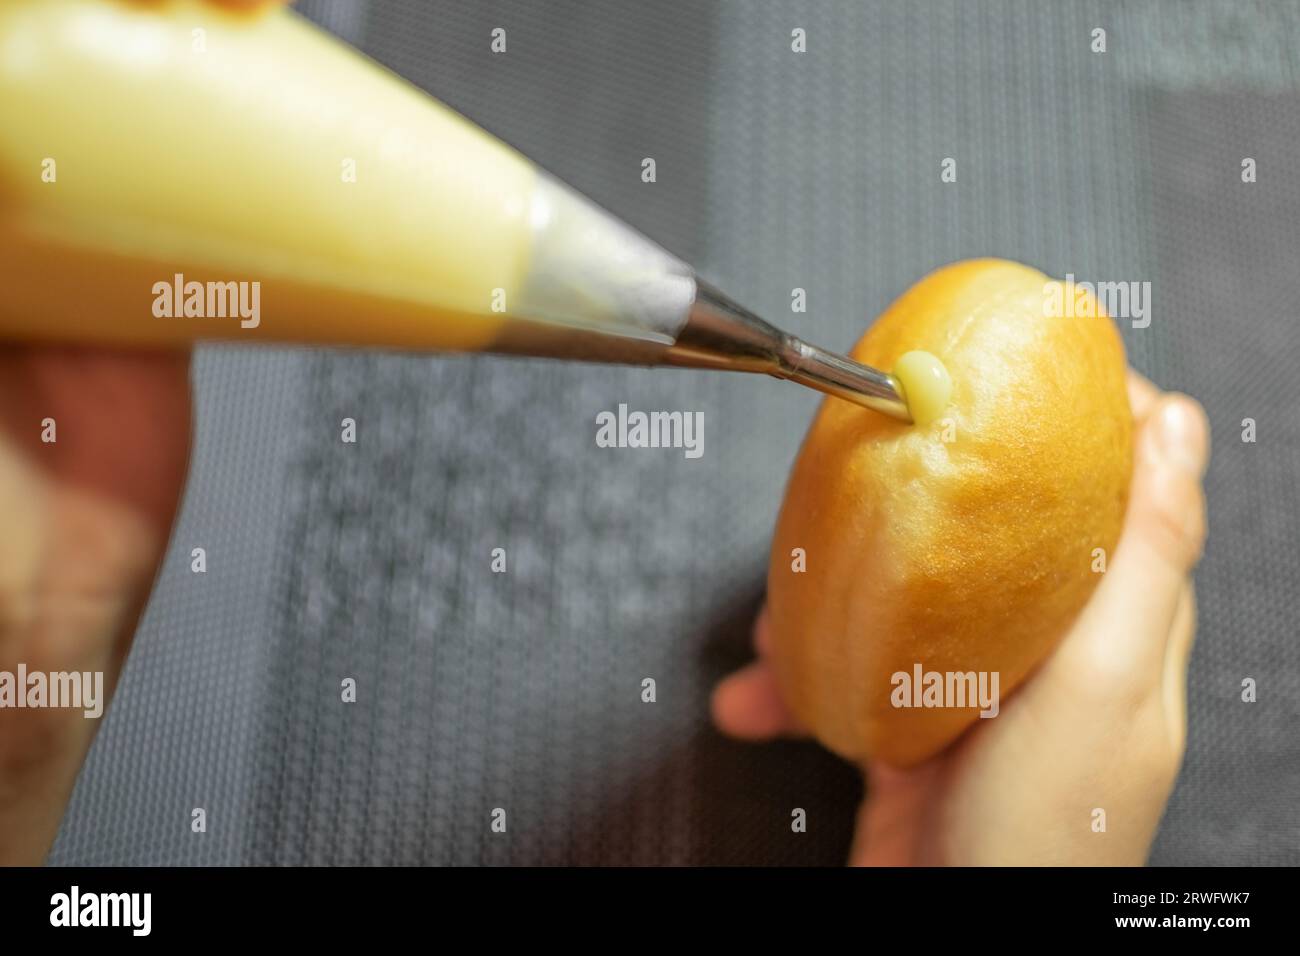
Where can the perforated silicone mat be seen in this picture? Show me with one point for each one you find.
(775, 171)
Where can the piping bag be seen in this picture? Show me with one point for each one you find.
(173, 171)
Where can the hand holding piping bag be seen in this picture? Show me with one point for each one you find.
(86, 520)
(1102, 723)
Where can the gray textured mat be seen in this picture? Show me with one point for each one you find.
(1228, 284)
(521, 690)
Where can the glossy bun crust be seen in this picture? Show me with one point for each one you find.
(973, 553)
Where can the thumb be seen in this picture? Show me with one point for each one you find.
(1164, 530)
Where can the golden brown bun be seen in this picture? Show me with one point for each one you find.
(972, 554)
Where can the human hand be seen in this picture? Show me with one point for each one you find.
(84, 521)
(1101, 724)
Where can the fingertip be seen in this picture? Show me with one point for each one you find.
(1167, 508)
(1178, 434)
(732, 705)
(747, 705)
(1142, 395)
(721, 705)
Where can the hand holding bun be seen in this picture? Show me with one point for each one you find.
(977, 553)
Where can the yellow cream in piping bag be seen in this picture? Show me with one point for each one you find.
(142, 142)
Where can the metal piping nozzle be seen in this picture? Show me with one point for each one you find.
(719, 333)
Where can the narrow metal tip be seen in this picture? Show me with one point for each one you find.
(844, 378)
(719, 333)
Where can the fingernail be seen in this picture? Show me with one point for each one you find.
(1178, 434)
